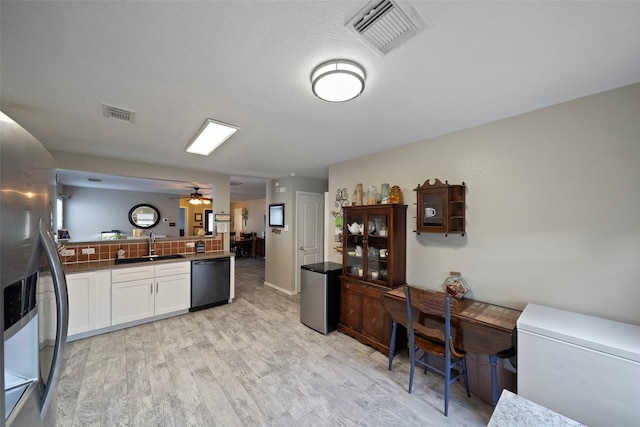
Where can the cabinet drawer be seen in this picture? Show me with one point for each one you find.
(364, 288)
(169, 269)
(133, 273)
(354, 286)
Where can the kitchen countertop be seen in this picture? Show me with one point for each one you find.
(143, 239)
(111, 264)
(514, 410)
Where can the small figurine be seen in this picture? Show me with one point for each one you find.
(120, 253)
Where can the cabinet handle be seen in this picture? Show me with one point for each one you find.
(151, 288)
(373, 320)
(156, 287)
(351, 311)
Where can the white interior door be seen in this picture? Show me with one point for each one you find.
(309, 230)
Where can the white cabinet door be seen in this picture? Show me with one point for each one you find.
(133, 300)
(102, 306)
(81, 292)
(172, 293)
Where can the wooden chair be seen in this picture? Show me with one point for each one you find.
(245, 244)
(434, 339)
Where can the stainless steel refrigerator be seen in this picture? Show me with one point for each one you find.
(34, 298)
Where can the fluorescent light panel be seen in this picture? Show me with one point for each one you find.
(210, 136)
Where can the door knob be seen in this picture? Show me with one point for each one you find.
(301, 248)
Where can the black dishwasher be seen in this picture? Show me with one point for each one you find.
(210, 282)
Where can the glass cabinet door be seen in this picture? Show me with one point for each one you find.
(377, 253)
(366, 252)
(432, 205)
(353, 251)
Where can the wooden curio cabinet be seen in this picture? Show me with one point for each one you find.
(373, 262)
(440, 208)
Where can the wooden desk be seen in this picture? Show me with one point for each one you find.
(476, 326)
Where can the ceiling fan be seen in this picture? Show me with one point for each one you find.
(196, 198)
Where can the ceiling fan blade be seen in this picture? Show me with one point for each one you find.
(195, 195)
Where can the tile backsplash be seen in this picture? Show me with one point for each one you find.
(107, 250)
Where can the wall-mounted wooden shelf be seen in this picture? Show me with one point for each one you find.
(440, 208)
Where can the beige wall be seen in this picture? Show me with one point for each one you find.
(281, 248)
(89, 211)
(256, 219)
(553, 200)
(118, 167)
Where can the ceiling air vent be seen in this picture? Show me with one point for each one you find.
(385, 25)
(235, 183)
(120, 114)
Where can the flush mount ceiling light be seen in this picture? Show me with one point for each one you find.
(210, 136)
(337, 80)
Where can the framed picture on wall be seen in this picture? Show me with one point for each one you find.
(197, 217)
(276, 215)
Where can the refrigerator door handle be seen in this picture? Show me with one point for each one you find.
(62, 313)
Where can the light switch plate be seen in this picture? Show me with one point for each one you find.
(88, 251)
(191, 245)
(68, 252)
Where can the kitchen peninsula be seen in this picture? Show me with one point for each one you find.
(105, 295)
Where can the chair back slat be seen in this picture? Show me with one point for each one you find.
(430, 302)
(433, 309)
(432, 333)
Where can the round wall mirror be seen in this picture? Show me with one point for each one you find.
(144, 216)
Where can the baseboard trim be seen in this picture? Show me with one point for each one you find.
(278, 288)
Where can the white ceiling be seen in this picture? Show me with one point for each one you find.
(248, 63)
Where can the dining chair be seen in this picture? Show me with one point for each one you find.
(434, 339)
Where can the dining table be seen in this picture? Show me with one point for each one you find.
(476, 326)
(242, 247)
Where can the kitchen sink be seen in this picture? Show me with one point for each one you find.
(148, 258)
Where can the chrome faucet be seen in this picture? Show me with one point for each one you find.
(152, 241)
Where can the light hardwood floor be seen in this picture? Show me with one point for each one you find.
(249, 363)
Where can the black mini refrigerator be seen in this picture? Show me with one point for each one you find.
(320, 296)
